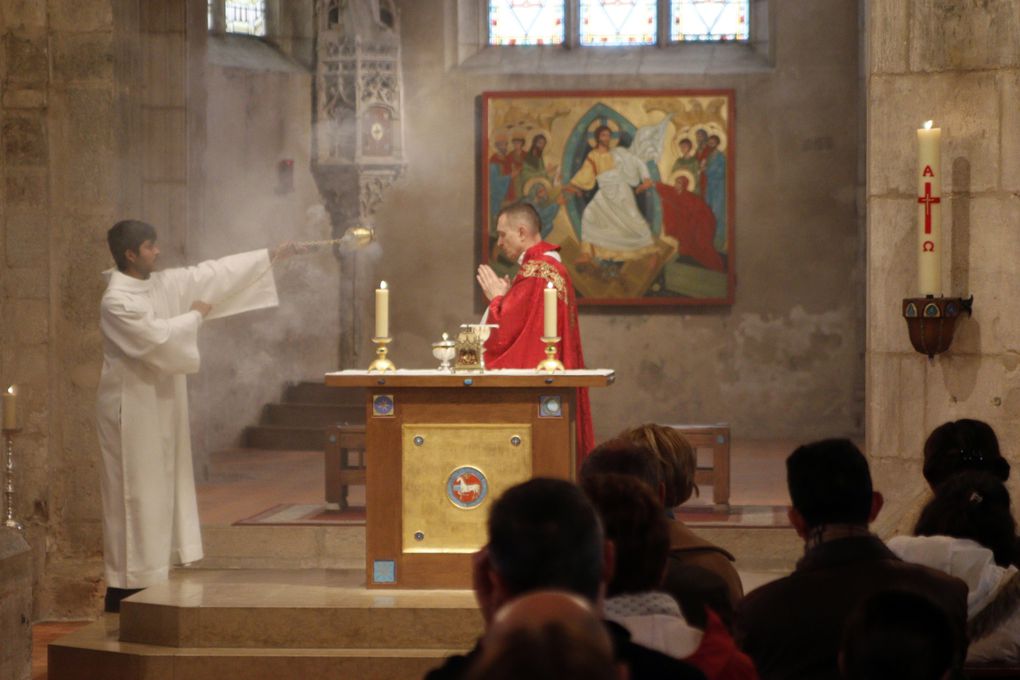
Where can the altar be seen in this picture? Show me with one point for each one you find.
(441, 446)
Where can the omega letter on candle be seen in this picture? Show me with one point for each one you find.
(929, 210)
(549, 298)
(382, 311)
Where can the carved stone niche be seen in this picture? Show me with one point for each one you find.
(358, 147)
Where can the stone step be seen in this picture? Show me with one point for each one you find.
(300, 414)
(285, 437)
(270, 624)
(307, 392)
(283, 548)
(95, 653)
(298, 615)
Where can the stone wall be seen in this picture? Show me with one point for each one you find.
(785, 359)
(959, 64)
(94, 127)
(15, 606)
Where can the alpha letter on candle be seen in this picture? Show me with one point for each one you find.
(382, 311)
(929, 210)
(11, 409)
(549, 298)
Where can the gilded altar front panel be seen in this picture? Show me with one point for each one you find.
(451, 474)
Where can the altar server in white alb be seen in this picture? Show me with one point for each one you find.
(150, 321)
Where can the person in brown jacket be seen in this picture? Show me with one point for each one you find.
(792, 627)
(688, 552)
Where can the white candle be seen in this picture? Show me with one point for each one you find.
(929, 210)
(550, 311)
(11, 409)
(382, 311)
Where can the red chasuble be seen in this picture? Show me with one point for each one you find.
(517, 343)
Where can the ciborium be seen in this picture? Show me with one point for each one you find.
(445, 350)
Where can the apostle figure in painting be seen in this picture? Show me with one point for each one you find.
(688, 162)
(500, 175)
(150, 322)
(690, 221)
(612, 226)
(517, 306)
(714, 170)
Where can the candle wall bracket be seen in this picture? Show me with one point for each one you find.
(381, 364)
(9, 521)
(931, 321)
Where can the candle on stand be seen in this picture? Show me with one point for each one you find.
(549, 297)
(929, 210)
(382, 311)
(11, 408)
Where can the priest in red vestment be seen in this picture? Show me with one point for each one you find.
(517, 306)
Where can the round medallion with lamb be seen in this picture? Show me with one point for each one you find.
(467, 487)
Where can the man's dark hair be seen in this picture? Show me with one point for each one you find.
(522, 212)
(830, 483)
(635, 522)
(897, 635)
(959, 445)
(622, 457)
(128, 235)
(545, 534)
(972, 505)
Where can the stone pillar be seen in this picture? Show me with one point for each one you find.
(359, 142)
(15, 606)
(957, 63)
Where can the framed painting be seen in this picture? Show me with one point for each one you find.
(636, 187)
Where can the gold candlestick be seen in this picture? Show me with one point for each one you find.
(550, 364)
(381, 363)
(9, 520)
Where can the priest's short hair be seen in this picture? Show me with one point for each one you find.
(524, 213)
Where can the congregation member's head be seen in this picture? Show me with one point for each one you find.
(518, 227)
(635, 522)
(622, 457)
(676, 456)
(830, 484)
(973, 505)
(543, 534)
(133, 247)
(547, 635)
(961, 445)
(897, 635)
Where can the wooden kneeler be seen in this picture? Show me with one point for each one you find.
(342, 441)
(717, 438)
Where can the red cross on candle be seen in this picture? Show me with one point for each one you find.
(927, 200)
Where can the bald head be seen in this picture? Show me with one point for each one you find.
(547, 634)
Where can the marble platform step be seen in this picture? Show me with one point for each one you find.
(270, 624)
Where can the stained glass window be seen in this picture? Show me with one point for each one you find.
(709, 20)
(246, 16)
(618, 22)
(525, 22)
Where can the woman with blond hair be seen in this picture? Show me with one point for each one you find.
(688, 552)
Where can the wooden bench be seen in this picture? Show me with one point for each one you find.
(717, 438)
(345, 462)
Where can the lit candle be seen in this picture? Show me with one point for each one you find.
(382, 311)
(929, 210)
(550, 310)
(11, 408)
